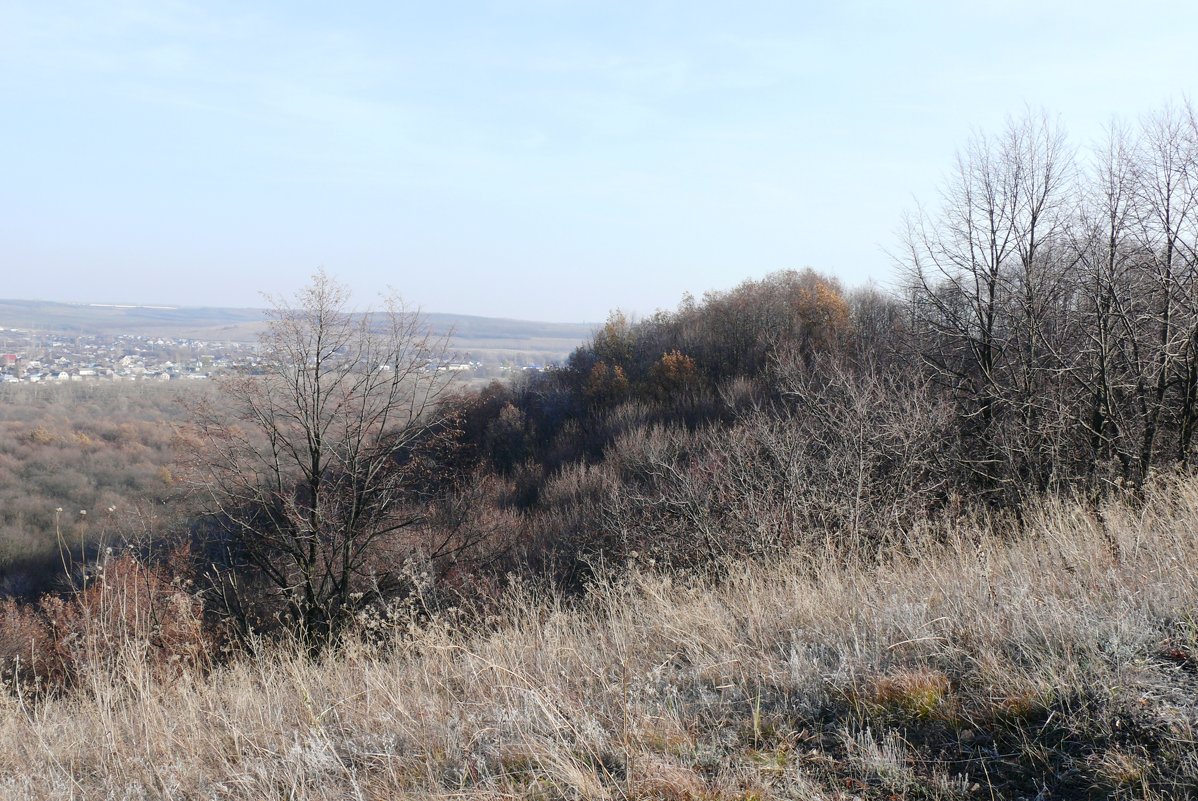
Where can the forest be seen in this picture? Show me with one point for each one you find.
(82, 464)
(788, 539)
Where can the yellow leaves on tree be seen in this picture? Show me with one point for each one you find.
(614, 342)
(820, 312)
(606, 384)
(673, 373)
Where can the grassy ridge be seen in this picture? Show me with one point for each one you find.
(1059, 660)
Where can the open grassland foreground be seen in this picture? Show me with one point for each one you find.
(1058, 659)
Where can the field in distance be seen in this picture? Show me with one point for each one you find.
(487, 339)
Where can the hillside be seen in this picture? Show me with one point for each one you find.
(1056, 664)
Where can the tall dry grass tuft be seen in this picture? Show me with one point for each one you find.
(125, 609)
(1063, 670)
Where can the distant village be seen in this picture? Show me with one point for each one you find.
(31, 357)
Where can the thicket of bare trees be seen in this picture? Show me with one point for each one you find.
(1054, 299)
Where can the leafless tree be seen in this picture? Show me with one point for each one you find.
(1169, 238)
(1108, 353)
(1139, 277)
(309, 463)
(986, 276)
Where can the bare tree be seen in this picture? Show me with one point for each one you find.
(310, 462)
(1169, 232)
(1109, 351)
(955, 262)
(1139, 305)
(986, 275)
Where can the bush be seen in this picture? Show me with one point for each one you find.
(125, 609)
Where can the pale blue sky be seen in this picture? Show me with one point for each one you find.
(545, 159)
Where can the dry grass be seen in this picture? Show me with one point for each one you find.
(1055, 664)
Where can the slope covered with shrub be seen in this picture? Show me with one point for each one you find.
(1041, 339)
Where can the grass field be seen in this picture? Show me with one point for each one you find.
(1056, 661)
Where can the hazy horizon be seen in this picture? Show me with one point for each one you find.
(531, 159)
(357, 304)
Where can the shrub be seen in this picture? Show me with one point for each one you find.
(125, 608)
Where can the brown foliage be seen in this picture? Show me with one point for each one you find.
(126, 609)
(606, 385)
(77, 449)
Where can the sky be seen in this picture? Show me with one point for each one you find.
(538, 159)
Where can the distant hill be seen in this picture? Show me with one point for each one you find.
(80, 318)
(487, 338)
